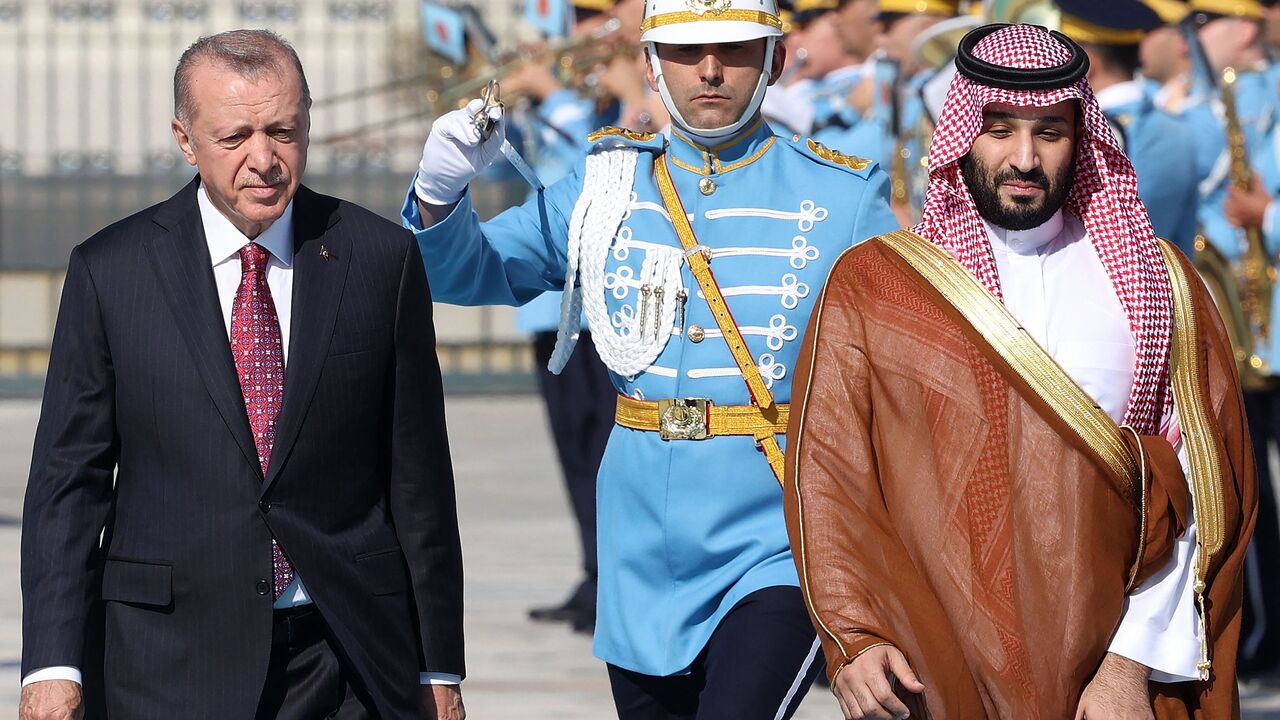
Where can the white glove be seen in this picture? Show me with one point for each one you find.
(453, 154)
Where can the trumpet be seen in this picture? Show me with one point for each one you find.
(572, 57)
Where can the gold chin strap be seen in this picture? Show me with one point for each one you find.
(766, 438)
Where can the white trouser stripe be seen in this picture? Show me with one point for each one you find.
(800, 678)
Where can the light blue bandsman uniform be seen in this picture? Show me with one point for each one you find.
(1161, 148)
(1256, 110)
(840, 126)
(1265, 160)
(687, 527)
(915, 124)
(1256, 102)
(1199, 110)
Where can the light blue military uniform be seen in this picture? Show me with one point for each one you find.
(1162, 151)
(917, 132)
(840, 126)
(687, 527)
(1256, 100)
(1265, 161)
(564, 119)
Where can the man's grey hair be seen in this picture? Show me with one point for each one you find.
(250, 53)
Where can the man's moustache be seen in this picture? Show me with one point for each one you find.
(1035, 177)
(269, 181)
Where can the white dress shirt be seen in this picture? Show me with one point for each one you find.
(1055, 284)
(225, 241)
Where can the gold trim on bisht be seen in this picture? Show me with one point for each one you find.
(794, 446)
(998, 327)
(1197, 437)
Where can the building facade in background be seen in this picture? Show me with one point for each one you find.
(86, 140)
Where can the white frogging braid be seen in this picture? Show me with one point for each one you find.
(628, 350)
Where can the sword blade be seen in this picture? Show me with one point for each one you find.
(521, 165)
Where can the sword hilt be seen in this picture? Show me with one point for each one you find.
(492, 98)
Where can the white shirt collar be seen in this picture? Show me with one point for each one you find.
(1123, 93)
(1025, 242)
(225, 240)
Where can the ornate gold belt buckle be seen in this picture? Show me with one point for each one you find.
(683, 418)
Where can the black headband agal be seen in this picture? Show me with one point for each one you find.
(1009, 78)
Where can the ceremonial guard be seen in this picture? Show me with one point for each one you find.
(696, 258)
(851, 98)
(1165, 57)
(1233, 48)
(788, 105)
(908, 23)
(1157, 144)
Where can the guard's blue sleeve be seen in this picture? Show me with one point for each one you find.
(508, 260)
(874, 215)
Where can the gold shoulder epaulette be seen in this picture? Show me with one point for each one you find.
(614, 130)
(850, 161)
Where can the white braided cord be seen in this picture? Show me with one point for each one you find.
(627, 350)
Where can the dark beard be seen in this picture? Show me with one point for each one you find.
(1022, 214)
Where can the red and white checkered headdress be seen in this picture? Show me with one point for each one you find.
(1104, 196)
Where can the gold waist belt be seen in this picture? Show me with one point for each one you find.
(699, 419)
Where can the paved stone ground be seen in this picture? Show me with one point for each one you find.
(517, 537)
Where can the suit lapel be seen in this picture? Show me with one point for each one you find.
(321, 256)
(180, 256)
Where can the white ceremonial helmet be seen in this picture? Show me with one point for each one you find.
(697, 22)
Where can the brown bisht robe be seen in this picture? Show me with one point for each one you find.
(937, 504)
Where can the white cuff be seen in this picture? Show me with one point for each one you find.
(55, 672)
(1269, 228)
(1160, 627)
(433, 192)
(435, 678)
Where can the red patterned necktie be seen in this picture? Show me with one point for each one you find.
(259, 356)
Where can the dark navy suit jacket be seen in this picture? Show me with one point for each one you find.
(146, 542)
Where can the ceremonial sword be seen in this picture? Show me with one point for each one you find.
(484, 124)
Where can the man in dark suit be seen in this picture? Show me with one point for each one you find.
(241, 501)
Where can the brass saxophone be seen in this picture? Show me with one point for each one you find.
(1243, 294)
(899, 192)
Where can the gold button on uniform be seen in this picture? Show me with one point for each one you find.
(696, 333)
(707, 185)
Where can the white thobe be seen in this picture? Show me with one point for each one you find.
(1055, 284)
